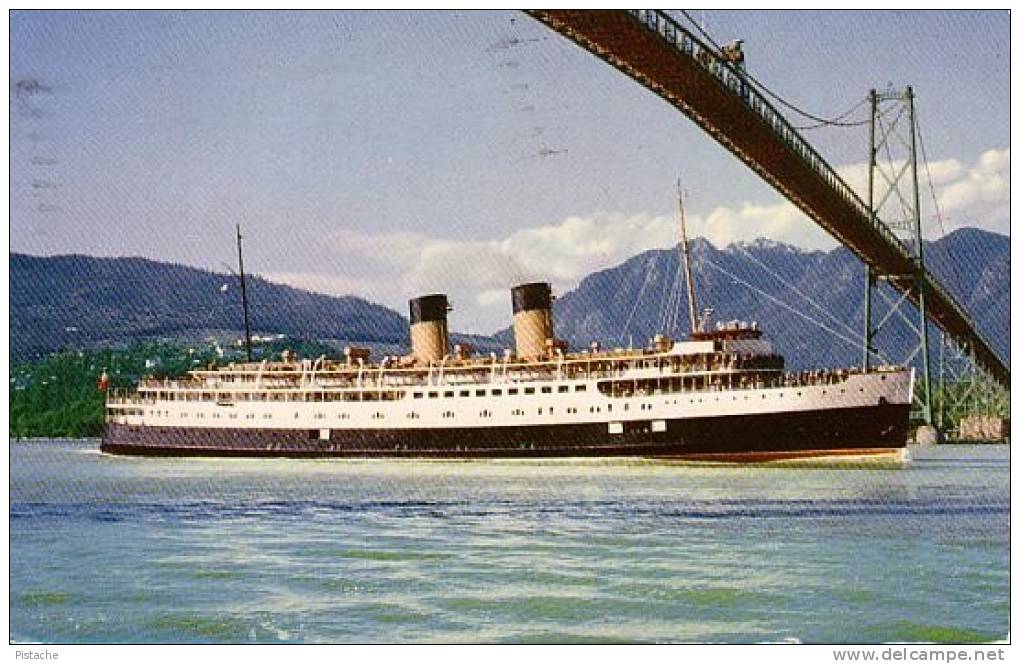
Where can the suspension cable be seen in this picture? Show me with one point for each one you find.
(836, 122)
(796, 290)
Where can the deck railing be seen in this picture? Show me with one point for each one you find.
(734, 80)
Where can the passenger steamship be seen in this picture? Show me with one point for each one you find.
(721, 394)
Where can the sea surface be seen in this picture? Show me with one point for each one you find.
(112, 549)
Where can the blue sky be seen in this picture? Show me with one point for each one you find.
(386, 154)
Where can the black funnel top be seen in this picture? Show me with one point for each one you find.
(428, 308)
(528, 297)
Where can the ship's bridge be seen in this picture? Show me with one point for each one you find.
(734, 337)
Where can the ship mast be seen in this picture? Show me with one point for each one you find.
(244, 296)
(685, 248)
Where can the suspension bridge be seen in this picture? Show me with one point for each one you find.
(732, 107)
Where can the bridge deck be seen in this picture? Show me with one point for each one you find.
(660, 54)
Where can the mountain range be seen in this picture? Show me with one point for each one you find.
(809, 302)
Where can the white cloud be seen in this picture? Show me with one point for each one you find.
(477, 274)
(980, 196)
(781, 222)
(318, 282)
(975, 194)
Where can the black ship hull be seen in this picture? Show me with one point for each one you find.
(873, 430)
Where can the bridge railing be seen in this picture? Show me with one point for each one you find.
(736, 82)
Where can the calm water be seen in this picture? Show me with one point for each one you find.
(195, 550)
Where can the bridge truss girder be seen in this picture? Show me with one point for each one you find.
(650, 47)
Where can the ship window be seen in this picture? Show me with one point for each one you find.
(479, 393)
(580, 388)
(547, 390)
(512, 391)
(433, 395)
(529, 390)
(539, 411)
(417, 395)
(448, 394)
(563, 388)
(465, 393)
(497, 393)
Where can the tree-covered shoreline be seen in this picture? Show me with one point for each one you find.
(58, 396)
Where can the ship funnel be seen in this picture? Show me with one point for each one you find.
(430, 337)
(533, 323)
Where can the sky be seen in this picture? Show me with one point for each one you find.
(390, 154)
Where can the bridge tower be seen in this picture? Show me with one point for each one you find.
(894, 198)
(966, 390)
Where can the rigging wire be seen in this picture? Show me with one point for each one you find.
(852, 342)
(842, 116)
(796, 290)
(833, 122)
